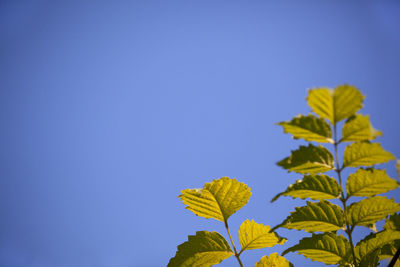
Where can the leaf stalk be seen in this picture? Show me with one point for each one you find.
(237, 255)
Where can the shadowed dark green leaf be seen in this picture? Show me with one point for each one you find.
(327, 248)
(308, 159)
(371, 260)
(219, 199)
(315, 217)
(388, 251)
(369, 182)
(315, 186)
(254, 235)
(373, 242)
(365, 154)
(203, 249)
(273, 260)
(371, 210)
(335, 105)
(309, 128)
(359, 128)
(393, 222)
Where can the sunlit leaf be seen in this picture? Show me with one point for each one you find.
(254, 235)
(308, 159)
(315, 217)
(203, 249)
(371, 210)
(373, 242)
(365, 154)
(314, 186)
(273, 260)
(309, 128)
(327, 248)
(398, 167)
(219, 199)
(369, 182)
(359, 128)
(335, 105)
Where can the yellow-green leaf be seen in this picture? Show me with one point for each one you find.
(369, 182)
(371, 210)
(335, 105)
(327, 248)
(202, 250)
(308, 159)
(373, 242)
(365, 154)
(314, 186)
(398, 167)
(359, 128)
(254, 235)
(273, 260)
(219, 199)
(315, 217)
(309, 128)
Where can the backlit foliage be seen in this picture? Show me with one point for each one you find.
(219, 200)
(334, 224)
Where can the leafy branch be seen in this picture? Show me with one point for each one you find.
(331, 107)
(220, 199)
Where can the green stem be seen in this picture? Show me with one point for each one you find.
(237, 255)
(343, 198)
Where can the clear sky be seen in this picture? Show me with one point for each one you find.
(109, 109)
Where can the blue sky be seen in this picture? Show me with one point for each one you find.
(109, 109)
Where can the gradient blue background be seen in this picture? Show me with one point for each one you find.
(109, 109)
